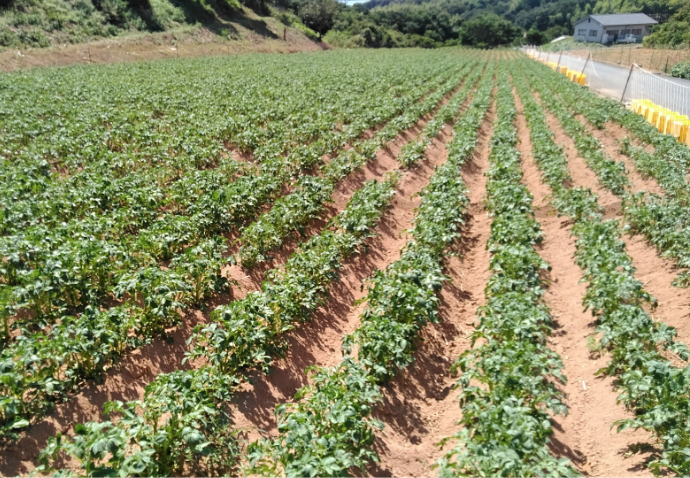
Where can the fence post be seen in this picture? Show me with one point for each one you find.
(629, 53)
(626, 83)
(586, 61)
(559, 60)
(666, 67)
(651, 62)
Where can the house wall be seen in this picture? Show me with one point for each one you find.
(589, 25)
(602, 36)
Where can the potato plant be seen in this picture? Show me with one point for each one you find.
(328, 430)
(183, 420)
(508, 382)
(651, 388)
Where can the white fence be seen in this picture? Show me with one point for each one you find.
(611, 80)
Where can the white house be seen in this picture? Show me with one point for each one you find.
(609, 28)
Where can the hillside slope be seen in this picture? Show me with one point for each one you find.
(42, 23)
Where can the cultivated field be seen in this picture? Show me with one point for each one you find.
(385, 263)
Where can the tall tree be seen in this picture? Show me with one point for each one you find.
(318, 15)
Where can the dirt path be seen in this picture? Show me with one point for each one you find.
(250, 33)
(657, 274)
(581, 173)
(619, 132)
(585, 435)
(420, 406)
(385, 161)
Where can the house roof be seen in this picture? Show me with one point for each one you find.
(621, 19)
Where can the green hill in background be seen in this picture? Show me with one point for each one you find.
(375, 24)
(40, 23)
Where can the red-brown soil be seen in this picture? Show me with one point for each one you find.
(655, 272)
(581, 174)
(420, 406)
(318, 343)
(611, 146)
(584, 436)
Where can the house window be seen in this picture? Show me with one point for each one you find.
(637, 31)
(592, 33)
(582, 32)
(612, 32)
(625, 32)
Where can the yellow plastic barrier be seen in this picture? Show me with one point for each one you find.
(564, 69)
(651, 111)
(662, 112)
(581, 80)
(663, 119)
(680, 130)
(673, 119)
(661, 122)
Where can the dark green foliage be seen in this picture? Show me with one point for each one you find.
(318, 15)
(682, 69)
(488, 30)
(535, 37)
(508, 390)
(651, 388)
(412, 19)
(674, 32)
(38, 24)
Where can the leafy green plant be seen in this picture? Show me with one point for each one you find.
(652, 389)
(125, 196)
(401, 300)
(508, 392)
(183, 417)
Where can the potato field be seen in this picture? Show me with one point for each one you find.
(445, 262)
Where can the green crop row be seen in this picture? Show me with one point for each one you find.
(509, 381)
(291, 213)
(655, 391)
(413, 151)
(664, 219)
(244, 335)
(40, 367)
(51, 271)
(329, 430)
(183, 418)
